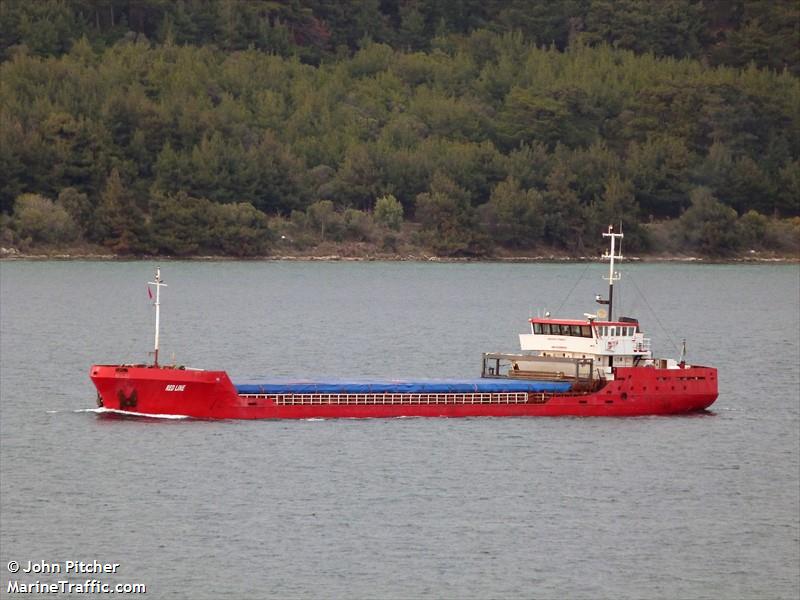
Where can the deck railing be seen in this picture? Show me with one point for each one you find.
(387, 398)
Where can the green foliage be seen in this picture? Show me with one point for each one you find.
(39, 220)
(529, 164)
(184, 226)
(180, 225)
(449, 222)
(322, 217)
(789, 188)
(564, 216)
(783, 235)
(371, 60)
(529, 116)
(44, 28)
(389, 212)
(321, 222)
(223, 171)
(618, 207)
(764, 33)
(357, 225)
(360, 178)
(708, 225)
(515, 216)
(77, 206)
(137, 114)
(118, 222)
(753, 229)
(760, 232)
(663, 27)
(240, 230)
(658, 169)
(727, 33)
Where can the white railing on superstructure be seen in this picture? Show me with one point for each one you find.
(643, 346)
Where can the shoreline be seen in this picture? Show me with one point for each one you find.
(542, 258)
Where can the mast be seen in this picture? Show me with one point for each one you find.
(612, 275)
(159, 284)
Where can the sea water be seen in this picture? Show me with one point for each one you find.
(700, 506)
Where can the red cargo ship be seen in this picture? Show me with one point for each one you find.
(595, 366)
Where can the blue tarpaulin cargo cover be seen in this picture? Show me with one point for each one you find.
(397, 386)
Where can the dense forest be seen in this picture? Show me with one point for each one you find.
(458, 128)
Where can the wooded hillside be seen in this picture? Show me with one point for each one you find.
(224, 126)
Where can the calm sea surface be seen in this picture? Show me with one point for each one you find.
(704, 506)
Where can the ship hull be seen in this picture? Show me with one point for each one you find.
(635, 391)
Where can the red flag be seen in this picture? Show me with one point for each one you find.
(149, 293)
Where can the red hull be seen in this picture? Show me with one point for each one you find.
(636, 391)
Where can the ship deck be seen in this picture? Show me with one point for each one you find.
(398, 386)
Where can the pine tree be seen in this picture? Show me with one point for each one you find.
(118, 222)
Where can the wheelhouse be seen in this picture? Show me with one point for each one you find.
(625, 327)
(620, 340)
(584, 350)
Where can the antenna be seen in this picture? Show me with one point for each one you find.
(159, 284)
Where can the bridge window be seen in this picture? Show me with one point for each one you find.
(566, 330)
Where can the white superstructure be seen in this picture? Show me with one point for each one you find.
(588, 348)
